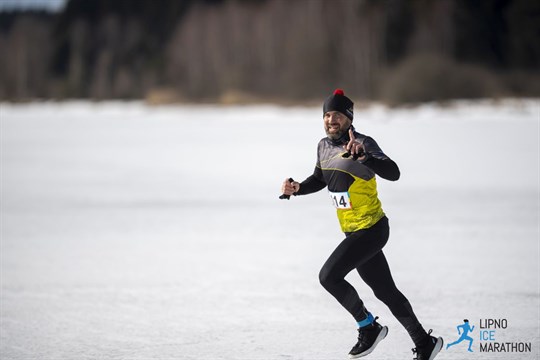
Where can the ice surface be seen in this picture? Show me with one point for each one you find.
(135, 232)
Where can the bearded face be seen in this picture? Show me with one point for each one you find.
(336, 124)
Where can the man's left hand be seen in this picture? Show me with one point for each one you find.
(355, 147)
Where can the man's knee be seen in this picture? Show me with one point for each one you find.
(326, 278)
(385, 295)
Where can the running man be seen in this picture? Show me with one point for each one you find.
(466, 328)
(347, 162)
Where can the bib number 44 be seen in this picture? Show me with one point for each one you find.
(341, 200)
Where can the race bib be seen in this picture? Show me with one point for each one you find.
(340, 200)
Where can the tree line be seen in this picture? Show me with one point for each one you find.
(252, 50)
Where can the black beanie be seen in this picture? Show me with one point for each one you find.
(339, 102)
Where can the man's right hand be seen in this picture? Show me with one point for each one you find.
(289, 188)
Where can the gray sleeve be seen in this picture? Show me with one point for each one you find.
(377, 161)
(373, 150)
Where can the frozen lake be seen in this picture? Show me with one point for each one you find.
(136, 232)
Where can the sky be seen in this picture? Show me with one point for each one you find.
(53, 5)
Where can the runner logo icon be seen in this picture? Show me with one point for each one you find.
(463, 331)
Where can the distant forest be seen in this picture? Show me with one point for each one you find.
(272, 50)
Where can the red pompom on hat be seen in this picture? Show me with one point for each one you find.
(339, 102)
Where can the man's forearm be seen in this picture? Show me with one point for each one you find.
(310, 185)
(385, 168)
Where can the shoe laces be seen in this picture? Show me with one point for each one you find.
(362, 336)
(417, 350)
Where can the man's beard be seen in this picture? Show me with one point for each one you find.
(336, 135)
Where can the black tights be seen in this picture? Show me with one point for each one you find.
(362, 250)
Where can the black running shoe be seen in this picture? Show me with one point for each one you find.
(431, 348)
(368, 338)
